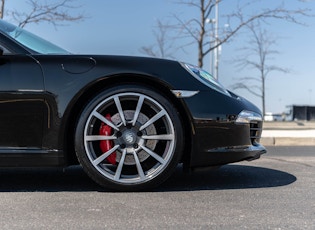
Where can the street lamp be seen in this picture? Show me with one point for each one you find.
(216, 41)
(214, 59)
(211, 67)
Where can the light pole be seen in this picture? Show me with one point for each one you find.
(214, 56)
(216, 41)
(211, 67)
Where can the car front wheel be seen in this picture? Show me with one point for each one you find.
(129, 138)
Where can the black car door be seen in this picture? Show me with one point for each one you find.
(23, 110)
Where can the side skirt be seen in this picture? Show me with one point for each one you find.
(31, 158)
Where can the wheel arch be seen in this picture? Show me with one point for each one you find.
(116, 80)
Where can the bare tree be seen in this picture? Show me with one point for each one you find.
(196, 30)
(258, 56)
(55, 13)
(164, 47)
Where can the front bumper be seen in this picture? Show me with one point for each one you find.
(224, 129)
(217, 143)
(221, 156)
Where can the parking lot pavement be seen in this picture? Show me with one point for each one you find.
(275, 192)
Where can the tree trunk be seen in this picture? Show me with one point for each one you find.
(2, 9)
(201, 34)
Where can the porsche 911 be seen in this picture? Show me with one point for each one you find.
(128, 121)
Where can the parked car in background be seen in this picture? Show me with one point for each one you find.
(274, 117)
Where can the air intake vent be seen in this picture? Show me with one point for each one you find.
(255, 131)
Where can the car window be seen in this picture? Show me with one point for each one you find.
(4, 50)
(30, 40)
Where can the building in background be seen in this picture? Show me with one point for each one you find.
(300, 112)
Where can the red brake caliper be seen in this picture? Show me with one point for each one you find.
(106, 145)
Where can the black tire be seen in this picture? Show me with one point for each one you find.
(146, 138)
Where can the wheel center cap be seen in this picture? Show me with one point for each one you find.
(129, 137)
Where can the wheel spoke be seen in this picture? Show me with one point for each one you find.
(120, 165)
(99, 138)
(154, 155)
(167, 137)
(153, 119)
(121, 112)
(103, 119)
(138, 109)
(98, 160)
(139, 167)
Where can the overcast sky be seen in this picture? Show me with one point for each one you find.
(122, 27)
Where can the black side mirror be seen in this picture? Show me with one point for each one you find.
(1, 51)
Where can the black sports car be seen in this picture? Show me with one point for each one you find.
(129, 121)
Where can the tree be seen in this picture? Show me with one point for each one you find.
(164, 47)
(258, 56)
(53, 13)
(195, 31)
(2, 8)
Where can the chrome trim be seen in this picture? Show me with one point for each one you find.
(31, 90)
(184, 93)
(248, 116)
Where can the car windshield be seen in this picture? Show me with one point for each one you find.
(29, 40)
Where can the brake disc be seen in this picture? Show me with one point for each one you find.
(150, 130)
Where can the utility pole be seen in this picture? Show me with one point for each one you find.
(216, 41)
(214, 55)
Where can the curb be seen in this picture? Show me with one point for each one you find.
(288, 137)
(288, 141)
(295, 133)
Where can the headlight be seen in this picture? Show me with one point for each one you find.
(205, 77)
(248, 116)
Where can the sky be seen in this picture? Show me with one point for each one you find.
(122, 27)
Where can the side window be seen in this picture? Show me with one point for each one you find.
(4, 50)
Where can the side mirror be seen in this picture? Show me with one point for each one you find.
(1, 51)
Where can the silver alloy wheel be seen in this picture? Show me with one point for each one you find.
(142, 138)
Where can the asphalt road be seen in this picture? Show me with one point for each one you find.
(274, 192)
